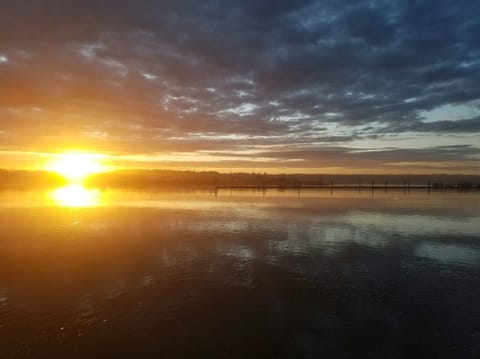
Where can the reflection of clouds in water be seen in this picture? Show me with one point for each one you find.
(233, 264)
(115, 288)
(329, 239)
(87, 305)
(227, 225)
(148, 280)
(449, 253)
(182, 254)
(240, 252)
(326, 235)
(3, 297)
(325, 238)
(224, 224)
(330, 233)
(415, 224)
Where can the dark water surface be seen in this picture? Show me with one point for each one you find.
(240, 275)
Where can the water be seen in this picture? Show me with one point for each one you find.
(239, 275)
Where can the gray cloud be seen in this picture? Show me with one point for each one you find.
(467, 125)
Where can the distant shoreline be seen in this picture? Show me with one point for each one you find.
(10, 179)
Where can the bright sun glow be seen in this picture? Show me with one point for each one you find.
(75, 166)
(76, 196)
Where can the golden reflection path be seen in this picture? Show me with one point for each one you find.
(75, 195)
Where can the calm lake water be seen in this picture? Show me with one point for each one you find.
(91, 274)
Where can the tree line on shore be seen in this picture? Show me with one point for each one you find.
(212, 179)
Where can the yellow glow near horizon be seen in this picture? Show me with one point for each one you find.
(75, 196)
(75, 166)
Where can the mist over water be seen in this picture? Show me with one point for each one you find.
(239, 274)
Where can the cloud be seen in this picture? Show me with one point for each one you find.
(468, 125)
(142, 73)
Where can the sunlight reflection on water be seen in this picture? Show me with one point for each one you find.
(75, 196)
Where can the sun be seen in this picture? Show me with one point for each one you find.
(75, 166)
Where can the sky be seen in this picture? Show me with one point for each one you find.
(330, 86)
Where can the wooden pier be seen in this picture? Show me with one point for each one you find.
(331, 186)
